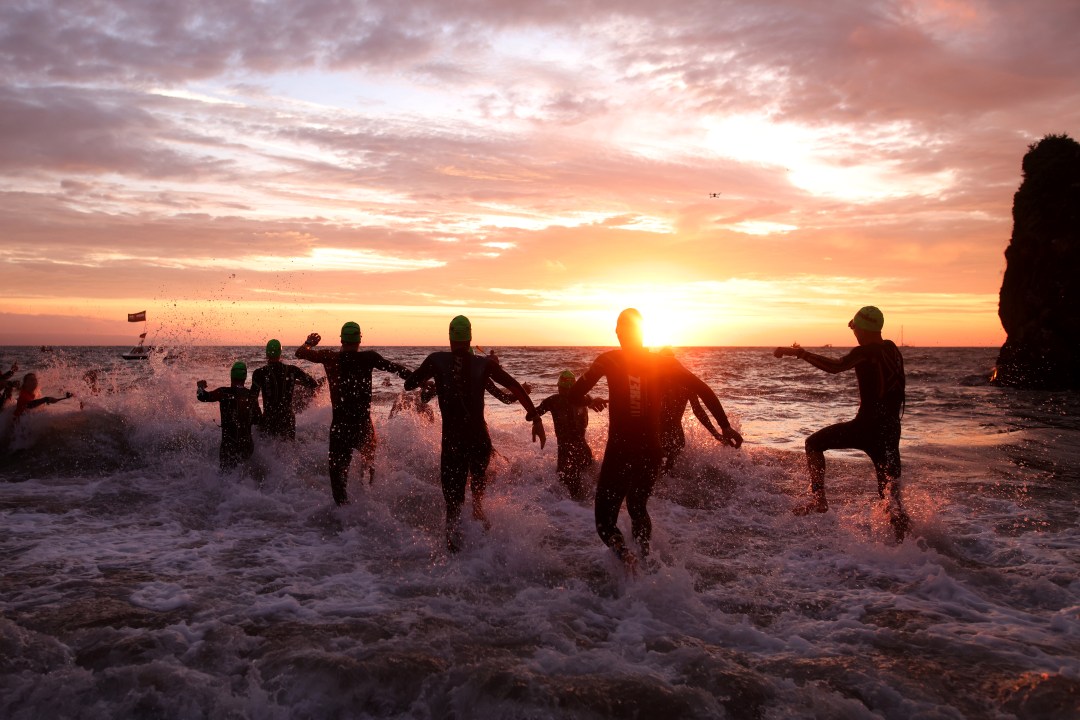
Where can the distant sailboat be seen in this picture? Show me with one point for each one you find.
(140, 351)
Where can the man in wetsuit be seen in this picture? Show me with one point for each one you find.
(7, 385)
(276, 381)
(238, 410)
(348, 372)
(636, 380)
(571, 420)
(461, 379)
(879, 369)
(673, 406)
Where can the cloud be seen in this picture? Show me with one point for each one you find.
(445, 148)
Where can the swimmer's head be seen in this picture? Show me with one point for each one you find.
(238, 372)
(868, 319)
(566, 380)
(460, 329)
(350, 333)
(629, 328)
(273, 349)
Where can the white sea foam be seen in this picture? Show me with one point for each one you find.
(140, 582)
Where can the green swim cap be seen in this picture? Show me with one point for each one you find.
(239, 371)
(350, 333)
(869, 319)
(566, 379)
(273, 349)
(460, 329)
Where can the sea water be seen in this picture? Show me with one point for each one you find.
(140, 582)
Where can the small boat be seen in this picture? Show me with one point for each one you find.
(139, 352)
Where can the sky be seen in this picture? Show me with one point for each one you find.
(744, 173)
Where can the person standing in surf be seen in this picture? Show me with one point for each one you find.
(276, 381)
(348, 371)
(571, 420)
(637, 380)
(879, 371)
(461, 379)
(238, 411)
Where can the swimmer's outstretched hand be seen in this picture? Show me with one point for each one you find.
(791, 351)
(538, 431)
(313, 339)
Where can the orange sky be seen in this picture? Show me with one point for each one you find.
(745, 173)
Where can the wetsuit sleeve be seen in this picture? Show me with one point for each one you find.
(502, 396)
(39, 402)
(309, 353)
(833, 365)
(390, 366)
(702, 416)
(304, 379)
(503, 378)
(586, 382)
(545, 405)
(256, 384)
(425, 372)
(699, 389)
(209, 395)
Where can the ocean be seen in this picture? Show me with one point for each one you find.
(138, 582)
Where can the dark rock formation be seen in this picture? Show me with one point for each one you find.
(1040, 294)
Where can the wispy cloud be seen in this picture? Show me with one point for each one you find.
(439, 150)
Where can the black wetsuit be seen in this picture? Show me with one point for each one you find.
(574, 454)
(238, 409)
(632, 455)
(875, 430)
(276, 382)
(672, 436)
(638, 382)
(349, 375)
(461, 379)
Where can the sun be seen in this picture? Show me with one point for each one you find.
(670, 317)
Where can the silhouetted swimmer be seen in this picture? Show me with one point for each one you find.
(277, 382)
(677, 395)
(571, 418)
(348, 372)
(636, 381)
(879, 369)
(238, 409)
(7, 385)
(28, 398)
(461, 380)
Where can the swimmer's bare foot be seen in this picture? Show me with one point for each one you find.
(817, 504)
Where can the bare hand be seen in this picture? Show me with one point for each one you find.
(791, 351)
(201, 384)
(538, 432)
(527, 388)
(313, 339)
(598, 404)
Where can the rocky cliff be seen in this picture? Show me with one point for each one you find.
(1040, 294)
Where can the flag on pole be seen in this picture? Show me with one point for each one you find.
(142, 336)
(137, 317)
